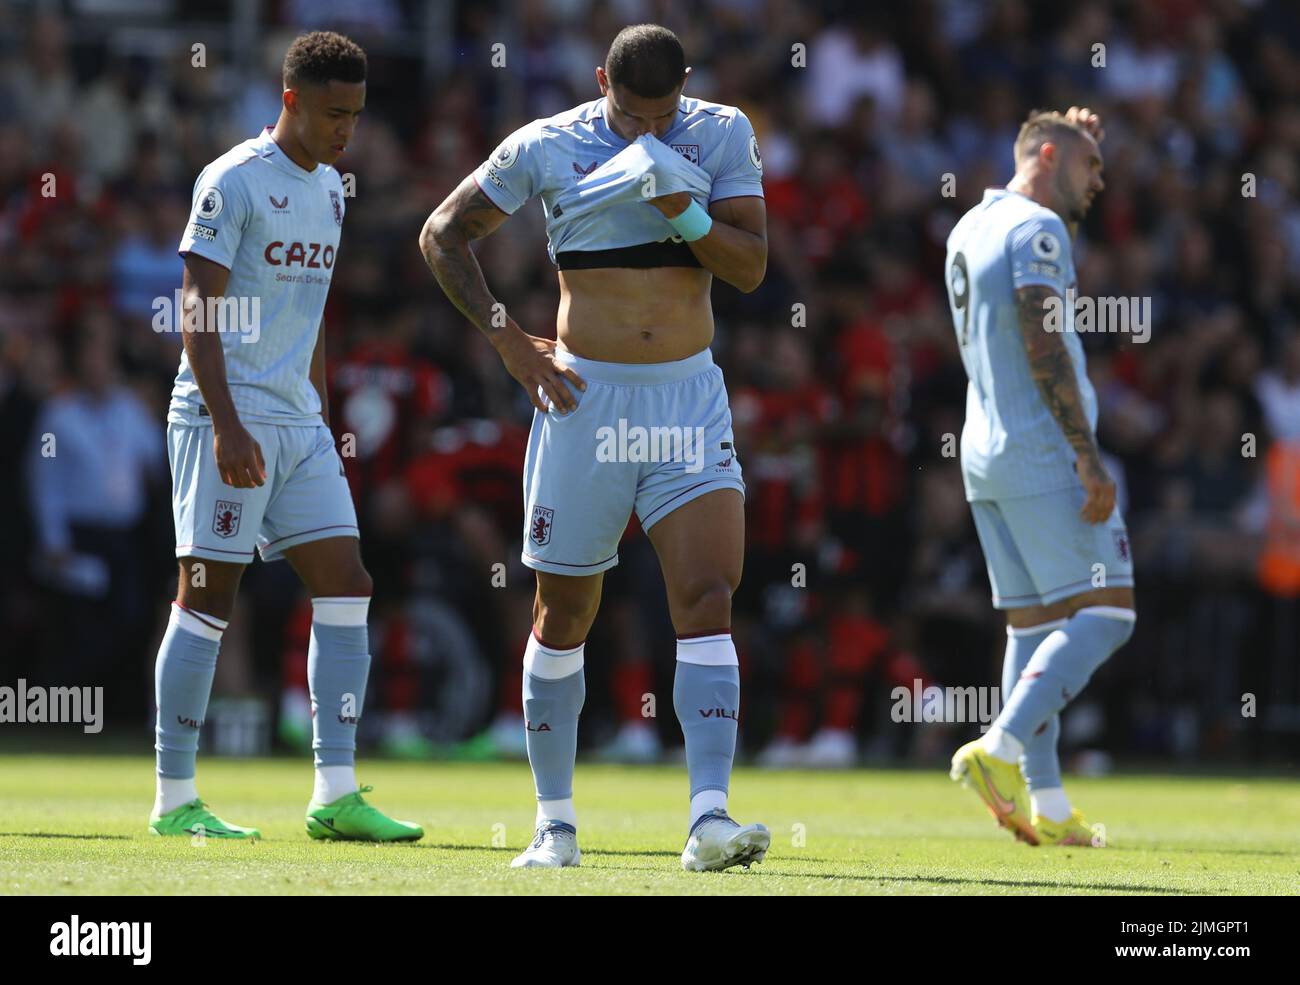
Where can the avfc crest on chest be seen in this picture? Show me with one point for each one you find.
(337, 201)
(689, 151)
(225, 518)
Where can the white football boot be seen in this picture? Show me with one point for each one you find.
(554, 846)
(717, 842)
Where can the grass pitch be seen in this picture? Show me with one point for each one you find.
(77, 825)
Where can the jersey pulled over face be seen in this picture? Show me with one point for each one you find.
(276, 228)
(551, 158)
(1011, 444)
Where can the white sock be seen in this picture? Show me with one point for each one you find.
(173, 793)
(557, 810)
(705, 801)
(1001, 744)
(333, 782)
(1052, 803)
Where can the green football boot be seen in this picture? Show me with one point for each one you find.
(195, 819)
(350, 818)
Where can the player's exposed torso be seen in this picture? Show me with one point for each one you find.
(617, 313)
(623, 314)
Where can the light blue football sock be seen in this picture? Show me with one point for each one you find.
(555, 688)
(706, 697)
(1062, 666)
(1040, 763)
(187, 659)
(338, 665)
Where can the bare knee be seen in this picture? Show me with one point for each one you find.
(354, 582)
(349, 580)
(1037, 615)
(207, 586)
(564, 608)
(702, 604)
(331, 568)
(1113, 598)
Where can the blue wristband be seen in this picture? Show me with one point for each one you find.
(692, 224)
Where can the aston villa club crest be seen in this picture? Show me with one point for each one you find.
(540, 529)
(1121, 544)
(337, 202)
(225, 518)
(689, 151)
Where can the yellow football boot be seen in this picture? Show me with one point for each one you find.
(999, 784)
(1074, 831)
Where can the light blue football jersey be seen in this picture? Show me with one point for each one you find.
(552, 157)
(276, 228)
(1011, 445)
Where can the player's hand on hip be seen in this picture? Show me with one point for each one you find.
(239, 457)
(531, 361)
(1098, 486)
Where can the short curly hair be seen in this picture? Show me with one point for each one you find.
(646, 59)
(322, 56)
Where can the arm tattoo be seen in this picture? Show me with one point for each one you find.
(467, 215)
(1052, 369)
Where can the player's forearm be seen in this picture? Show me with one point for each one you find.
(458, 273)
(208, 364)
(1053, 371)
(1054, 375)
(733, 255)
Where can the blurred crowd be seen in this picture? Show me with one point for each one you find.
(863, 573)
